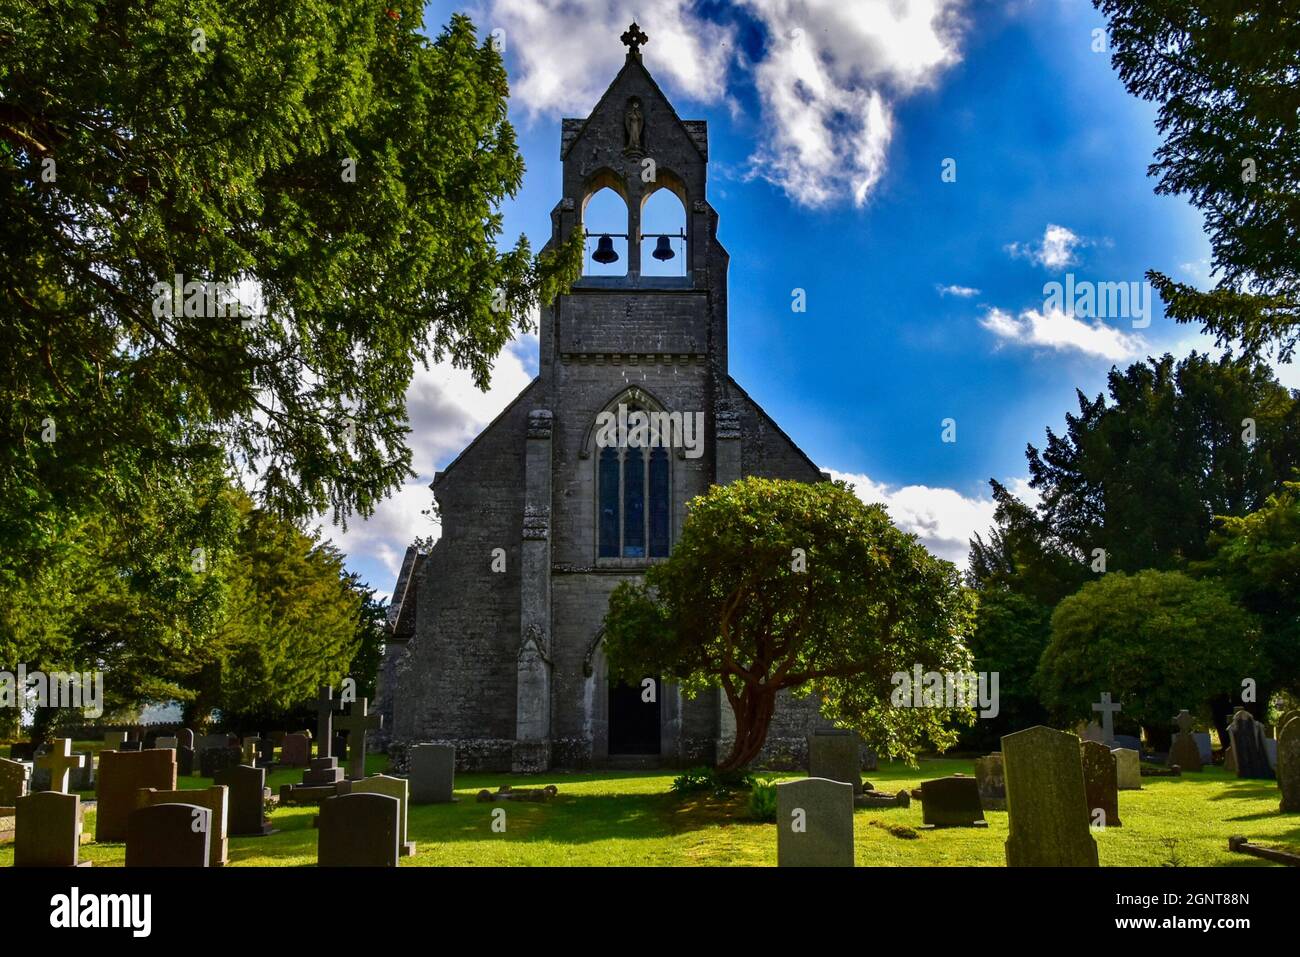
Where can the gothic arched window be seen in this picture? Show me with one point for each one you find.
(633, 488)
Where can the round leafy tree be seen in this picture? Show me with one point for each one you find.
(787, 585)
(1158, 641)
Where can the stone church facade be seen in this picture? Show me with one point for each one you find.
(499, 653)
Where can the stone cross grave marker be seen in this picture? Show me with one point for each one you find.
(1047, 810)
(358, 721)
(1100, 784)
(358, 830)
(326, 705)
(48, 830)
(1107, 709)
(433, 773)
(168, 835)
(59, 760)
(1183, 750)
(814, 821)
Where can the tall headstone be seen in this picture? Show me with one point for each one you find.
(14, 776)
(247, 800)
(1288, 764)
(216, 799)
(834, 754)
(1107, 709)
(1205, 746)
(952, 802)
(168, 835)
(48, 830)
(393, 787)
(992, 786)
(326, 705)
(357, 723)
(121, 775)
(1248, 747)
(1047, 808)
(432, 773)
(1183, 750)
(359, 830)
(1128, 769)
(58, 761)
(186, 757)
(814, 822)
(1281, 726)
(1100, 784)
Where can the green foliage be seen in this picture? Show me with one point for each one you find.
(734, 607)
(693, 781)
(1224, 76)
(762, 800)
(1159, 641)
(1011, 631)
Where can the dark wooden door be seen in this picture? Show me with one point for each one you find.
(633, 721)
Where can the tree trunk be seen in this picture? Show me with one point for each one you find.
(753, 717)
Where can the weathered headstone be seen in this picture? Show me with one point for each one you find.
(359, 830)
(1288, 764)
(1281, 726)
(295, 752)
(1128, 769)
(1248, 747)
(833, 754)
(952, 802)
(992, 787)
(121, 775)
(1205, 746)
(1047, 808)
(393, 787)
(266, 752)
(168, 835)
(58, 761)
(432, 773)
(216, 799)
(1183, 750)
(14, 776)
(814, 821)
(1100, 784)
(185, 738)
(1107, 708)
(48, 830)
(247, 800)
(357, 723)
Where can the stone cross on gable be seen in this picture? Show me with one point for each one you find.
(358, 721)
(60, 760)
(1184, 721)
(633, 38)
(326, 705)
(1107, 709)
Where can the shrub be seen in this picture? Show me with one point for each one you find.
(762, 799)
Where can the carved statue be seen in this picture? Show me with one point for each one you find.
(633, 127)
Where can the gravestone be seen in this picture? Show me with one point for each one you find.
(22, 751)
(247, 800)
(1107, 708)
(952, 802)
(295, 752)
(814, 821)
(833, 754)
(48, 830)
(1128, 742)
(358, 830)
(121, 775)
(1229, 759)
(1270, 752)
(186, 756)
(1183, 750)
(1248, 749)
(323, 771)
(168, 835)
(266, 752)
(433, 773)
(1091, 731)
(83, 778)
(1205, 746)
(1288, 764)
(213, 760)
(1128, 769)
(216, 799)
(1100, 784)
(165, 741)
(357, 723)
(113, 740)
(1047, 809)
(14, 776)
(992, 787)
(1281, 726)
(185, 738)
(339, 748)
(57, 762)
(131, 746)
(326, 705)
(393, 787)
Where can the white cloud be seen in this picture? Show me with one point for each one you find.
(961, 292)
(1056, 250)
(1054, 329)
(827, 77)
(944, 519)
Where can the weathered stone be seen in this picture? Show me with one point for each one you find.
(1288, 764)
(216, 799)
(168, 835)
(247, 800)
(814, 820)
(359, 830)
(952, 802)
(1248, 748)
(992, 787)
(1281, 726)
(834, 755)
(1047, 807)
(432, 773)
(48, 830)
(1183, 750)
(121, 775)
(1100, 784)
(295, 751)
(1107, 709)
(14, 778)
(393, 787)
(1128, 769)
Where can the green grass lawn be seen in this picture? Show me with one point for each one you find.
(630, 818)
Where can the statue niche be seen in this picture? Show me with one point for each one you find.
(633, 128)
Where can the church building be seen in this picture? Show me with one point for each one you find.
(495, 642)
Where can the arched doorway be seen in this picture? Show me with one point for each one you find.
(635, 717)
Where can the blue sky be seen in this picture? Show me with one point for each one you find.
(829, 126)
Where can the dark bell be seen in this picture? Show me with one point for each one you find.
(663, 250)
(605, 251)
